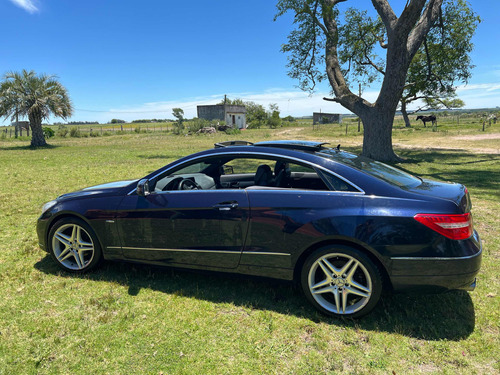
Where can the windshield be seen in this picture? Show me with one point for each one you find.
(377, 169)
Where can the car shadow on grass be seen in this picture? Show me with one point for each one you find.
(448, 316)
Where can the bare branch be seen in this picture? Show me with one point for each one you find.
(386, 14)
(410, 16)
(332, 3)
(313, 14)
(428, 57)
(428, 18)
(336, 100)
(334, 72)
(369, 60)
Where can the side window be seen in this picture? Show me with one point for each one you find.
(249, 172)
(300, 176)
(247, 165)
(337, 184)
(300, 168)
(254, 173)
(192, 168)
(189, 177)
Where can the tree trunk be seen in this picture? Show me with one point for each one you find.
(377, 137)
(405, 114)
(37, 138)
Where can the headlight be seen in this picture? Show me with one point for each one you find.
(48, 206)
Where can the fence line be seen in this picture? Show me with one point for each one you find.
(9, 131)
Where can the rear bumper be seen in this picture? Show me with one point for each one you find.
(438, 273)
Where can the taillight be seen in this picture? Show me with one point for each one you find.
(456, 227)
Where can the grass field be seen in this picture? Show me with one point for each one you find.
(137, 319)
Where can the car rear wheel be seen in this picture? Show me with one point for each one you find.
(341, 281)
(74, 245)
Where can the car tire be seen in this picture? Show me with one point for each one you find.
(74, 245)
(341, 281)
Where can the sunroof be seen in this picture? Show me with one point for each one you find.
(232, 143)
(295, 144)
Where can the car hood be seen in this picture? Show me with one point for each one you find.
(109, 188)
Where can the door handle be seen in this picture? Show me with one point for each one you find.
(225, 206)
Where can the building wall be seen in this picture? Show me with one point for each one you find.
(236, 119)
(211, 112)
(332, 118)
(224, 113)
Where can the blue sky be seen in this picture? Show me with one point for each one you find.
(139, 59)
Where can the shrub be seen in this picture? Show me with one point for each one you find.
(62, 131)
(48, 132)
(254, 125)
(232, 131)
(196, 124)
(274, 120)
(178, 129)
(75, 132)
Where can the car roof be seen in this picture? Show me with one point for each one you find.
(289, 144)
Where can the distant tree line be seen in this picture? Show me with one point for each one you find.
(143, 121)
(77, 123)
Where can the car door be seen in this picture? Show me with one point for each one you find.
(187, 227)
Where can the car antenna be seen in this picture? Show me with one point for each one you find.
(338, 147)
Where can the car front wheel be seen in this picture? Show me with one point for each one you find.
(74, 245)
(341, 281)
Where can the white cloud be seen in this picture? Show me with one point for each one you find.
(294, 103)
(479, 87)
(27, 5)
(482, 95)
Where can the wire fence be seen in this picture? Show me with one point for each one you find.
(91, 129)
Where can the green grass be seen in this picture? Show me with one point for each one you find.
(128, 318)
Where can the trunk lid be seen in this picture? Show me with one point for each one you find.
(456, 193)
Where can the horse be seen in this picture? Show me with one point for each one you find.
(425, 119)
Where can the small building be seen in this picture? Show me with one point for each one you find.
(326, 118)
(233, 115)
(24, 125)
(20, 126)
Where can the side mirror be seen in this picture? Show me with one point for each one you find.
(143, 187)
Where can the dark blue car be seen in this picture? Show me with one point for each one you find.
(343, 226)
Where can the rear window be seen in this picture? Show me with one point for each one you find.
(377, 169)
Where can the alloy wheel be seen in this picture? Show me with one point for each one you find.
(73, 247)
(340, 283)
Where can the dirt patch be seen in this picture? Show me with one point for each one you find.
(476, 143)
(290, 131)
(475, 150)
(477, 137)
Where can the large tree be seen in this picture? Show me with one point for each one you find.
(442, 61)
(352, 48)
(26, 94)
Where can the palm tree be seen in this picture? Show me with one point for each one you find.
(35, 96)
